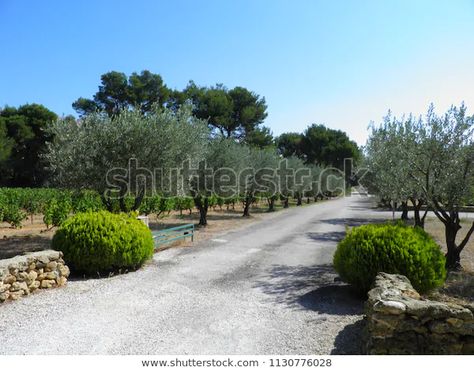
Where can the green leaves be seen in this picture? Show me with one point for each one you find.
(6, 143)
(56, 212)
(117, 92)
(22, 140)
(82, 155)
(54, 204)
(371, 249)
(12, 214)
(290, 144)
(328, 147)
(233, 113)
(427, 161)
(319, 145)
(98, 242)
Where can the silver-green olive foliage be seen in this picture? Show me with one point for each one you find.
(83, 152)
(429, 158)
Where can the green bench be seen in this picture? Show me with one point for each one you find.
(165, 236)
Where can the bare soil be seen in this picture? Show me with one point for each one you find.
(436, 229)
(459, 286)
(458, 289)
(34, 235)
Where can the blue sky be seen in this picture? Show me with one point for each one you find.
(340, 63)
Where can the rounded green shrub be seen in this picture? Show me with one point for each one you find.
(95, 242)
(374, 248)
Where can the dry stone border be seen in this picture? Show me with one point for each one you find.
(24, 274)
(399, 321)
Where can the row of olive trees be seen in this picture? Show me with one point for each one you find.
(173, 153)
(426, 162)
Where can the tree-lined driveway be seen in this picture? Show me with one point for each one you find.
(267, 288)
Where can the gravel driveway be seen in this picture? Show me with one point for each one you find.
(265, 289)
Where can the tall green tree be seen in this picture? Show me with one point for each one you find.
(260, 137)
(249, 111)
(25, 141)
(230, 113)
(117, 92)
(290, 144)
(321, 145)
(6, 143)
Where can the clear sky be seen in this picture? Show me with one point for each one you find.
(340, 63)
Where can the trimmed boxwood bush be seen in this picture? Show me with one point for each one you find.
(95, 242)
(389, 248)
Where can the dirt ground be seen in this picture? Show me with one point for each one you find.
(436, 229)
(459, 286)
(34, 236)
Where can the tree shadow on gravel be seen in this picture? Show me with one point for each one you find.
(310, 288)
(314, 288)
(353, 222)
(350, 339)
(326, 237)
(337, 299)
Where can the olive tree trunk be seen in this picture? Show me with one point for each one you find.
(404, 215)
(247, 203)
(271, 204)
(202, 204)
(452, 225)
(419, 218)
(299, 199)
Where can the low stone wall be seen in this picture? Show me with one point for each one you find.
(25, 274)
(399, 321)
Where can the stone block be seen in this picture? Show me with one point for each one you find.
(47, 284)
(9, 279)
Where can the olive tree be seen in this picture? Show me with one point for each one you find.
(130, 153)
(315, 186)
(302, 179)
(294, 180)
(446, 173)
(259, 178)
(217, 175)
(268, 178)
(332, 182)
(428, 161)
(390, 150)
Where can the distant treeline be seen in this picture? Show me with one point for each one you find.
(236, 113)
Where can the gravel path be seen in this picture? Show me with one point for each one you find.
(266, 289)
